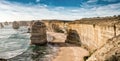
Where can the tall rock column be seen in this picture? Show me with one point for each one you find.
(38, 33)
(73, 37)
(1, 25)
(15, 25)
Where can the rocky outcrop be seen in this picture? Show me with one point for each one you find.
(73, 37)
(109, 52)
(56, 25)
(38, 33)
(6, 23)
(1, 25)
(56, 28)
(94, 34)
(24, 23)
(90, 31)
(15, 25)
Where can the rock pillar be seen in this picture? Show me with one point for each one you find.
(15, 25)
(1, 25)
(73, 37)
(38, 33)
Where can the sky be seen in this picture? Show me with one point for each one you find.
(16, 10)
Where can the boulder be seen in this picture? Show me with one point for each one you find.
(38, 33)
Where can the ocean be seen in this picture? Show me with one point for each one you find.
(15, 46)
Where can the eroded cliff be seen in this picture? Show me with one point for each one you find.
(94, 33)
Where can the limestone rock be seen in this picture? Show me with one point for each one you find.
(1, 25)
(28, 30)
(56, 28)
(6, 23)
(15, 25)
(73, 37)
(38, 33)
(109, 52)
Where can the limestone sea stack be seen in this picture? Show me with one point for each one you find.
(38, 33)
(6, 23)
(15, 25)
(73, 37)
(1, 25)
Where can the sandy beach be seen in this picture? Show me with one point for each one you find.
(67, 52)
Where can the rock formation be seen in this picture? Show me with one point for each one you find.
(56, 25)
(73, 37)
(94, 34)
(109, 52)
(29, 30)
(38, 33)
(15, 25)
(1, 25)
(56, 28)
(6, 23)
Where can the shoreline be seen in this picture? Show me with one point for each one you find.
(54, 52)
(48, 54)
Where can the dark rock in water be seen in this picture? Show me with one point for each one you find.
(2, 59)
(15, 25)
(28, 30)
(73, 37)
(1, 25)
(38, 33)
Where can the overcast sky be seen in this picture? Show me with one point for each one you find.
(12, 10)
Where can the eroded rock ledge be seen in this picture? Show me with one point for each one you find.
(94, 34)
(109, 52)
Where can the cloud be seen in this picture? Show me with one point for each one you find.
(110, 0)
(108, 10)
(15, 12)
(91, 1)
(37, 1)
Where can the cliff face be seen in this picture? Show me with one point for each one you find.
(109, 52)
(56, 25)
(94, 35)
